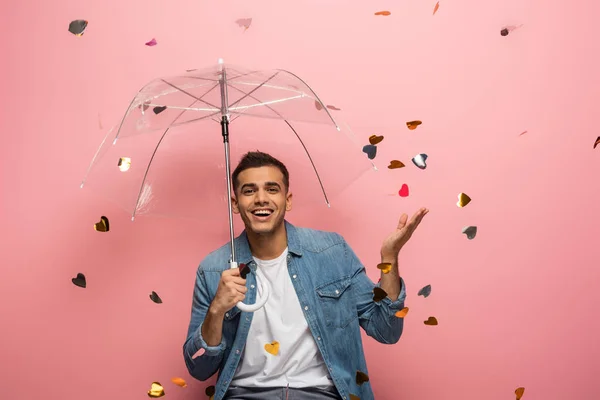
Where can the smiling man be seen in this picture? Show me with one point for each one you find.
(305, 343)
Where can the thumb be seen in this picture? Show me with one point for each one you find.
(403, 219)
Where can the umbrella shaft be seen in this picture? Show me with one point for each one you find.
(225, 133)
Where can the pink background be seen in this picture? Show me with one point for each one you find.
(515, 305)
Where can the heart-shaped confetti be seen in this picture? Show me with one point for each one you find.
(354, 397)
(155, 297)
(378, 294)
(420, 160)
(79, 280)
(159, 109)
(102, 225)
(370, 150)
(597, 142)
(179, 382)
(470, 231)
(244, 23)
(504, 32)
(124, 164)
(210, 391)
(333, 108)
(272, 348)
(318, 105)
(199, 353)
(508, 29)
(412, 125)
(384, 13)
(151, 42)
(425, 291)
(361, 378)
(396, 164)
(437, 5)
(77, 27)
(402, 313)
(374, 139)
(519, 392)
(384, 267)
(403, 190)
(463, 200)
(244, 270)
(156, 390)
(431, 321)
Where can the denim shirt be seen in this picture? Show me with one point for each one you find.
(336, 296)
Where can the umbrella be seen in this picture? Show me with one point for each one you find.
(166, 137)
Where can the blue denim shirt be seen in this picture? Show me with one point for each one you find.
(336, 296)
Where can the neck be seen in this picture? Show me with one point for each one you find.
(267, 246)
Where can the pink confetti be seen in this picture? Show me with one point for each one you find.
(318, 105)
(333, 108)
(522, 133)
(198, 353)
(244, 23)
(151, 43)
(403, 190)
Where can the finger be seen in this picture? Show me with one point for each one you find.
(232, 272)
(402, 221)
(241, 289)
(238, 281)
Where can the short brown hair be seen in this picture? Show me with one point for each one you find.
(255, 159)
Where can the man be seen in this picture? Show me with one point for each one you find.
(305, 343)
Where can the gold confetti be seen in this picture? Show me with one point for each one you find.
(384, 267)
(463, 200)
(412, 125)
(354, 397)
(124, 164)
(361, 378)
(272, 348)
(437, 5)
(402, 313)
(384, 13)
(179, 382)
(156, 390)
(379, 294)
(396, 164)
(374, 139)
(519, 392)
(431, 321)
(102, 225)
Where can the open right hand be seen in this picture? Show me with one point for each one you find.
(232, 289)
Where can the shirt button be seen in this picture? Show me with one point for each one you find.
(336, 291)
(294, 276)
(247, 319)
(318, 337)
(306, 307)
(227, 315)
(237, 352)
(252, 286)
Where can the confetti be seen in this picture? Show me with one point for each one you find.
(508, 29)
(519, 392)
(244, 23)
(179, 382)
(155, 297)
(504, 32)
(403, 190)
(463, 200)
(333, 108)
(272, 348)
(384, 13)
(379, 294)
(361, 378)
(210, 391)
(102, 225)
(385, 267)
(77, 27)
(370, 150)
(374, 139)
(470, 231)
(199, 353)
(151, 42)
(124, 164)
(420, 160)
(425, 291)
(158, 110)
(402, 313)
(79, 280)
(396, 164)
(597, 142)
(412, 125)
(156, 390)
(244, 270)
(522, 133)
(318, 105)
(354, 397)
(100, 122)
(437, 5)
(431, 321)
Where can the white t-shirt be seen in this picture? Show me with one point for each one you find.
(299, 362)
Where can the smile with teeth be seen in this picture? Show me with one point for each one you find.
(262, 214)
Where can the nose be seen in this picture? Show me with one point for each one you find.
(261, 197)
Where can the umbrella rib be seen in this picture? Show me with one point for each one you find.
(253, 90)
(191, 95)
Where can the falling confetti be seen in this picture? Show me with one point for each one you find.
(124, 164)
(470, 231)
(244, 270)
(437, 5)
(151, 42)
(431, 321)
(244, 23)
(396, 164)
(403, 190)
(156, 390)
(102, 225)
(272, 348)
(384, 13)
(402, 313)
(385, 267)
(504, 32)
(79, 280)
(519, 392)
(179, 382)
(199, 353)
(210, 391)
(508, 29)
(158, 110)
(412, 125)
(379, 294)
(374, 139)
(77, 27)
(354, 397)
(420, 160)
(333, 108)
(318, 105)
(155, 297)
(597, 142)
(370, 150)
(425, 291)
(522, 133)
(361, 378)
(463, 200)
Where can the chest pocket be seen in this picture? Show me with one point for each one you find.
(337, 302)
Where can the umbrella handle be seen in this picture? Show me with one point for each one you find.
(259, 301)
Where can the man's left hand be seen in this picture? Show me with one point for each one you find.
(397, 239)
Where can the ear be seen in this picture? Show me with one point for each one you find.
(288, 202)
(234, 205)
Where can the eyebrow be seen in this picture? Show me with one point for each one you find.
(255, 185)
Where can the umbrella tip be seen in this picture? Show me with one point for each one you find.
(220, 61)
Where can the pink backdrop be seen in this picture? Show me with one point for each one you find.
(515, 304)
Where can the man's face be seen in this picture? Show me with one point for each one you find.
(261, 189)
